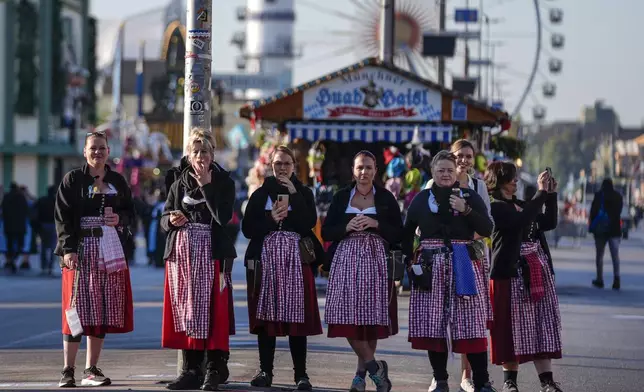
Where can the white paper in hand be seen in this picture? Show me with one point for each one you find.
(74, 322)
(417, 269)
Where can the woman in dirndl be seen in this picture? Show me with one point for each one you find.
(195, 304)
(464, 151)
(282, 299)
(94, 207)
(449, 307)
(527, 324)
(365, 224)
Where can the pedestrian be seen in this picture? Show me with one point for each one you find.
(171, 176)
(156, 235)
(45, 207)
(527, 324)
(195, 304)
(605, 224)
(15, 213)
(282, 299)
(94, 208)
(464, 151)
(449, 307)
(364, 223)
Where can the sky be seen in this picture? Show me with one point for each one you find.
(602, 57)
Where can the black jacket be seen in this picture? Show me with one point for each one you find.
(511, 226)
(258, 223)
(613, 204)
(434, 226)
(388, 216)
(15, 211)
(174, 172)
(220, 198)
(69, 200)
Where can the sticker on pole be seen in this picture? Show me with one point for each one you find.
(202, 15)
(198, 33)
(194, 87)
(196, 107)
(198, 43)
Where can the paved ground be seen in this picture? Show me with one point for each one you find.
(603, 335)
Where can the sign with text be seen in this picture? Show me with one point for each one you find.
(250, 81)
(372, 93)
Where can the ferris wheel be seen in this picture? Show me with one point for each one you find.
(486, 47)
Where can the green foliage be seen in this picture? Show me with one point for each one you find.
(93, 73)
(26, 102)
(59, 74)
(513, 148)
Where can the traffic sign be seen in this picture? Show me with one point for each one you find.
(466, 15)
(249, 81)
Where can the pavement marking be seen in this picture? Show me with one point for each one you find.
(33, 337)
(28, 384)
(628, 317)
(152, 375)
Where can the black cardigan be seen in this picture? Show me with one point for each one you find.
(387, 214)
(69, 197)
(258, 223)
(510, 228)
(220, 199)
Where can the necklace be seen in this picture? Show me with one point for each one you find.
(364, 195)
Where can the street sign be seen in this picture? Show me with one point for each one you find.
(249, 81)
(466, 15)
(497, 105)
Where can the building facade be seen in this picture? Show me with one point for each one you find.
(44, 115)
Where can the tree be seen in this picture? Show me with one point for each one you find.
(26, 54)
(59, 73)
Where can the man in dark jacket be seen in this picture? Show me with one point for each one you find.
(14, 214)
(605, 213)
(45, 207)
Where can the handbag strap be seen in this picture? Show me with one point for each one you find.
(72, 303)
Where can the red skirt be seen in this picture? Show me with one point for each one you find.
(219, 325)
(231, 305)
(312, 324)
(96, 330)
(501, 335)
(370, 332)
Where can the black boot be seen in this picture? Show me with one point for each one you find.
(224, 373)
(191, 375)
(215, 361)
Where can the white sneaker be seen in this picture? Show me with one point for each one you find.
(467, 385)
(438, 386)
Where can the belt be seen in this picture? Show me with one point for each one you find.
(436, 251)
(92, 232)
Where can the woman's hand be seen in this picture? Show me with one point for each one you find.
(111, 219)
(457, 203)
(354, 225)
(202, 174)
(279, 213)
(367, 222)
(553, 185)
(177, 219)
(286, 182)
(71, 260)
(542, 181)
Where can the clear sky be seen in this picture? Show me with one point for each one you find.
(603, 56)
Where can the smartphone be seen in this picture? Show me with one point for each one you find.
(549, 170)
(282, 200)
(107, 211)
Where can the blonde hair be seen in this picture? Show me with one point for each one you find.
(199, 135)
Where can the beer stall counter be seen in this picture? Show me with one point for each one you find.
(368, 105)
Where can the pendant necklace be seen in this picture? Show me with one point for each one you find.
(364, 195)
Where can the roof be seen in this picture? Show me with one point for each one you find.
(247, 110)
(630, 133)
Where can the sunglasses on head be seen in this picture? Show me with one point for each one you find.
(97, 133)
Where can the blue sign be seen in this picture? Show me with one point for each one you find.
(498, 105)
(466, 15)
(459, 111)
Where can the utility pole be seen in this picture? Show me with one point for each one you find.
(198, 75)
(387, 31)
(441, 28)
(480, 81)
(467, 43)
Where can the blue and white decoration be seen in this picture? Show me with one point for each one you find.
(374, 132)
(372, 93)
(459, 110)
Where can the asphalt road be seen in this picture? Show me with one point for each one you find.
(603, 334)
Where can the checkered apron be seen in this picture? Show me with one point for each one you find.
(111, 251)
(357, 289)
(101, 296)
(191, 275)
(281, 298)
(441, 313)
(536, 326)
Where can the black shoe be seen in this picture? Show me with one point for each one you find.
(9, 265)
(486, 388)
(262, 380)
(510, 386)
(224, 373)
(211, 381)
(188, 379)
(598, 283)
(616, 284)
(25, 266)
(550, 386)
(303, 383)
(93, 377)
(67, 380)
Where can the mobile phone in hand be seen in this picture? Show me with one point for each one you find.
(108, 211)
(282, 200)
